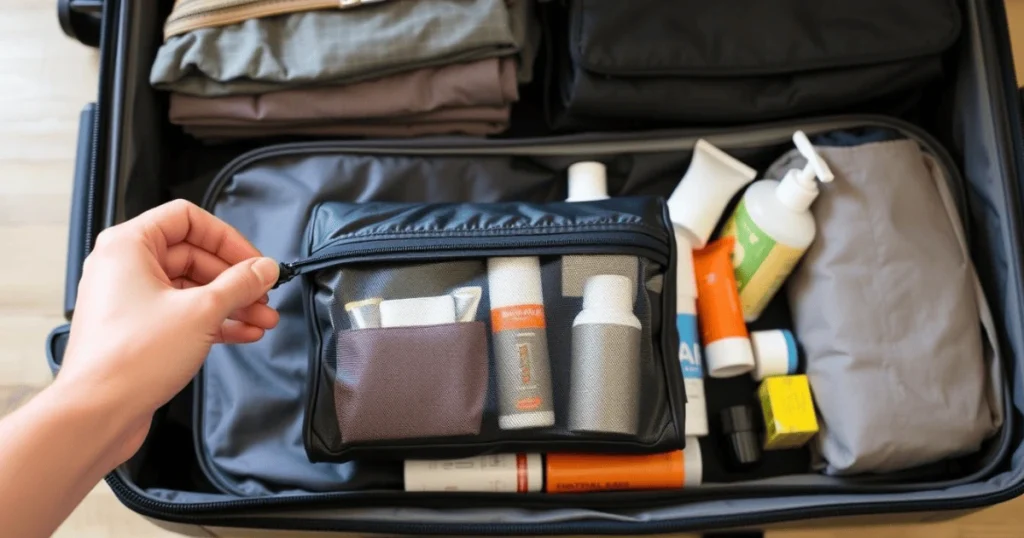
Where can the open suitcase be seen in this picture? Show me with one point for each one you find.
(228, 451)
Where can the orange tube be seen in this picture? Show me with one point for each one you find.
(578, 473)
(723, 332)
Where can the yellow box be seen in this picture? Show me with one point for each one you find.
(788, 410)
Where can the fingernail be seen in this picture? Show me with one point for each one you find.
(266, 270)
(265, 299)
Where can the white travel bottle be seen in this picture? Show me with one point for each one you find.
(773, 227)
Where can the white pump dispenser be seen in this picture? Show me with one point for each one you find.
(773, 227)
(798, 188)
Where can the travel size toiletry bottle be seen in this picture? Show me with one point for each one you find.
(723, 334)
(495, 473)
(773, 227)
(580, 473)
(520, 343)
(689, 344)
(697, 203)
(605, 374)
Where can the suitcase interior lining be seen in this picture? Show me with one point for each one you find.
(155, 163)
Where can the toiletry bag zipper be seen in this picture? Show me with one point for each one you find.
(189, 15)
(615, 239)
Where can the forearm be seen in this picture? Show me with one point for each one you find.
(53, 451)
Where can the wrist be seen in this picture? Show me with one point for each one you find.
(105, 421)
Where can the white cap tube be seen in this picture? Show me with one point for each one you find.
(508, 473)
(693, 463)
(729, 357)
(712, 179)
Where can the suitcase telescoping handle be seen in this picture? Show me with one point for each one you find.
(80, 19)
(79, 226)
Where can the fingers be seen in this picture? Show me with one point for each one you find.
(185, 260)
(183, 283)
(239, 286)
(184, 222)
(188, 267)
(257, 315)
(236, 332)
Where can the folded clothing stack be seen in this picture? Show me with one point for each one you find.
(391, 68)
(650, 62)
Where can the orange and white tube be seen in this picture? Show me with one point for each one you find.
(723, 332)
(579, 473)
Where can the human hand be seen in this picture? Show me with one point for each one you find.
(156, 292)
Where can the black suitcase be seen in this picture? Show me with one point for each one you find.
(130, 159)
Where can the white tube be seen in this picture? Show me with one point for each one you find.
(712, 179)
(417, 311)
(510, 473)
(520, 343)
(689, 341)
(693, 462)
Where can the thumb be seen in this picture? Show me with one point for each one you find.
(242, 284)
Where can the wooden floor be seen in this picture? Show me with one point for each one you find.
(45, 79)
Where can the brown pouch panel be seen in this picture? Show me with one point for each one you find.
(411, 382)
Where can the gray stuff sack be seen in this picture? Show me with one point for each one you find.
(900, 344)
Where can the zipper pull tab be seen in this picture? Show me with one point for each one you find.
(285, 273)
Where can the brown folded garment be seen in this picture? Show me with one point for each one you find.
(477, 92)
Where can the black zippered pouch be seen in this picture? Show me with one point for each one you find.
(447, 330)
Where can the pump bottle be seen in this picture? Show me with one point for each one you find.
(773, 227)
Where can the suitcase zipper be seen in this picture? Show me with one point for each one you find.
(189, 15)
(202, 513)
(600, 144)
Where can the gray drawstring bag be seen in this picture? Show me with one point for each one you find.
(900, 346)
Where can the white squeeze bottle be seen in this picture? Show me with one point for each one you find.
(773, 227)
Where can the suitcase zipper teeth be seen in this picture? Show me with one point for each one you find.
(201, 512)
(196, 14)
(654, 141)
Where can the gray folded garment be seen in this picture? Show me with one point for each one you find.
(479, 91)
(889, 311)
(333, 47)
(371, 130)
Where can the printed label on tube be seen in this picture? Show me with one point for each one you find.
(689, 349)
(524, 316)
(532, 383)
(690, 361)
